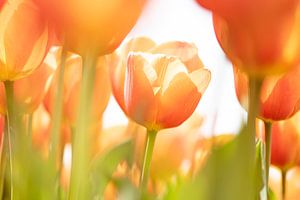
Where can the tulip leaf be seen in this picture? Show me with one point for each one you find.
(226, 175)
(105, 165)
(260, 179)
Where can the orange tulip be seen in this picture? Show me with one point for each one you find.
(150, 82)
(30, 91)
(24, 39)
(261, 37)
(72, 80)
(101, 24)
(285, 149)
(280, 94)
(285, 145)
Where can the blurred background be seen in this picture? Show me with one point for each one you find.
(184, 20)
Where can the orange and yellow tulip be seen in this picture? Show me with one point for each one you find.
(24, 39)
(151, 81)
(261, 37)
(280, 94)
(30, 91)
(100, 24)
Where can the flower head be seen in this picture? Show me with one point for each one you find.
(25, 39)
(261, 37)
(158, 86)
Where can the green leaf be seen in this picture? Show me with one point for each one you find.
(226, 175)
(105, 165)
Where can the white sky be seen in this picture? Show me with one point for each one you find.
(184, 20)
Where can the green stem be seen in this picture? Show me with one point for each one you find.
(268, 139)
(81, 140)
(57, 112)
(253, 111)
(283, 183)
(4, 158)
(29, 128)
(55, 126)
(11, 131)
(151, 136)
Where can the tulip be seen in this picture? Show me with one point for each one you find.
(150, 81)
(279, 97)
(285, 146)
(260, 37)
(29, 92)
(84, 23)
(154, 83)
(25, 39)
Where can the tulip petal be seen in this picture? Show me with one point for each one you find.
(183, 93)
(138, 44)
(25, 39)
(140, 101)
(117, 63)
(283, 101)
(186, 52)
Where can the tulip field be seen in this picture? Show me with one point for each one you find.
(72, 70)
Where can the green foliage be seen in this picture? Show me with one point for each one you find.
(105, 164)
(226, 175)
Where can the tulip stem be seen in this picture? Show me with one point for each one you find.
(253, 111)
(56, 123)
(151, 136)
(57, 111)
(29, 127)
(81, 137)
(268, 139)
(283, 184)
(11, 122)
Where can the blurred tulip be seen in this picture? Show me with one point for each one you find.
(280, 94)
(285, 145)
(150, 82)
(101, 24)
(29, 92)
(285, 148)
(72, 80)
(24, 39)
(261, 37)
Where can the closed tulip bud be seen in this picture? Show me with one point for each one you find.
(150, 82)
(261, 37)
(280, 94)
(24, 39)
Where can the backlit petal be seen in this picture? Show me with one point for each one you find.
(178, 102)
(140, 101)
(186, 52)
